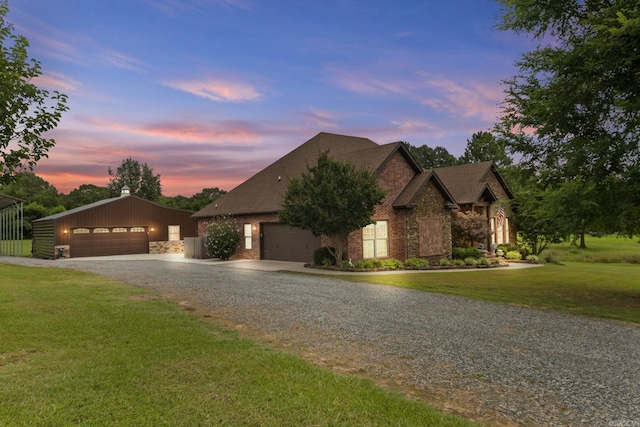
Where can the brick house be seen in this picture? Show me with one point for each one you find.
(414, 219)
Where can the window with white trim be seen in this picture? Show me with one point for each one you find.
(81, 231)
(119, 230)
(137, 229)
(100, 230)
(174, 232)
(247, 236)
(375, 240)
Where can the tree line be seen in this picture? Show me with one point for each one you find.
(571, 116)
(43, 199)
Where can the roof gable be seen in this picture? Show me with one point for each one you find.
(406, 199)
(468, 183)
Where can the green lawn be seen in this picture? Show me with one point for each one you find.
(600, 289)
(80, 349)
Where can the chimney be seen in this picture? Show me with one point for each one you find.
(125, 191)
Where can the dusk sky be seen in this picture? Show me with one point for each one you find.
(209, 92)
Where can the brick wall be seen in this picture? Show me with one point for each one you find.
(254, 220)
(393, 178)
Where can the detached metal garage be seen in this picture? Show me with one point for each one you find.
(118, 226)
(281, 242)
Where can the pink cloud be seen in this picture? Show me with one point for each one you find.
(469, 100)
(466, 99)
(217, 89)
(56, 81)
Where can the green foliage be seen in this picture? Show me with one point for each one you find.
(458, 262)
(533, 258)
(392, 263)
(195, 202)
(469, 227)
(445, 262)
(324, 256)
(573, 110)
(84, 195)
(484, 261)
(332, 199)
(26, 111)
(484, 146)
(430, 158)
(463, 253)
(417, 263)
(513, 255)
(471, 261)
(138, 177)
(368, 264)
(222, 237)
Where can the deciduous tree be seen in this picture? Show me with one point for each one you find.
(484, 146)
(430, 158)
(332, 200)
(573, 109)
(138, 177)
(27, 112)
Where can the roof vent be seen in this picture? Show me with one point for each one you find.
(125, 191)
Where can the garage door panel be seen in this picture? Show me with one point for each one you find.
(281, 242)
(105, 244)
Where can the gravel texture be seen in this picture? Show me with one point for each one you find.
(491, 363)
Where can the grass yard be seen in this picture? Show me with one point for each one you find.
(80, 349)
(600, 289)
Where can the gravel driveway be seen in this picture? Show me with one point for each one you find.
(492, 363)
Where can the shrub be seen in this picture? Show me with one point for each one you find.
(484, 261)
(392, 263)
(345, 265)
(533, 259)
(444, 262)
(464, 253)
(550, 256)
(368, 264)
(514, 255)
(322, 256)
(223, 237)
(471, 261)
(417, 263)
(458, 262)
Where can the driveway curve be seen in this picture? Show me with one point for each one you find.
(492, 363)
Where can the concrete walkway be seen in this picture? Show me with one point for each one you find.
(267, 265)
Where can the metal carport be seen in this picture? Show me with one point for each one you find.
(11, 225)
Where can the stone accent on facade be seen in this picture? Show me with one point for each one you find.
(429, 204)
(167, 247)
(66, 251)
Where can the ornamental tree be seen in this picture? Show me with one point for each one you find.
(26, 111)
(332, 200)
